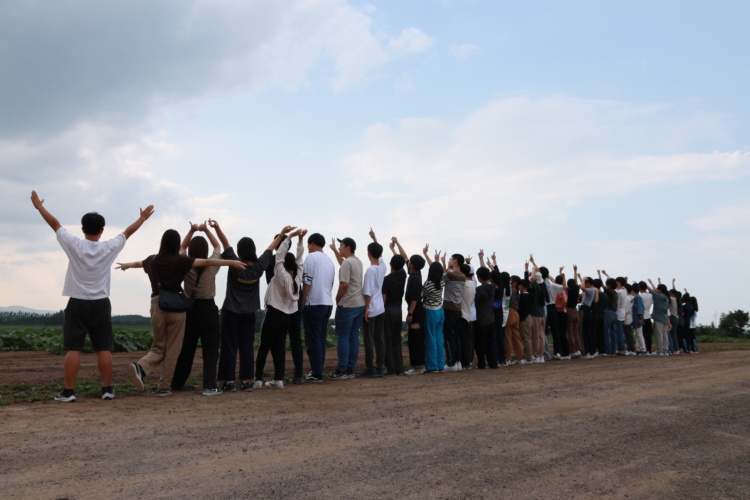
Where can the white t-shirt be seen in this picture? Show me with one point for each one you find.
(648, 303)
(89, 265)
(553, 289)
(629, 309)
(467, 300)
(318, 272)
(622, 304)
(373, 288)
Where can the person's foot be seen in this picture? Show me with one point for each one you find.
(258, 384)
(379, 373)
(247, 385)
(212, 392)
(163, 392)
(275, 384)
(414, 372)
(66, 396)
(313, 379)
(137, 375)
(108, 393)
(229, 386)
(368, 373)
(297, 381)
(338, 375)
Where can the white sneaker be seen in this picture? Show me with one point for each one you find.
(576, 354)
(275, 384)
(212, 392)
(414, 372)
(521, 361)
(258, 384)
(565, 358)
(454, 368)
(460, 368)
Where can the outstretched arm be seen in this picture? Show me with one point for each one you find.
(400, 248)
(481, 257)
(145, 214)
(426, 252)
(129, 265)
(372, 235)
(284, 231)
(336, 253)
(214, 242)
(48, 217)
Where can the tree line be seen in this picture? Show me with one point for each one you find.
(18, 318)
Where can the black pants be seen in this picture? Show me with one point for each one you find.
(295, 339)
(394, 357)
(599, 323)
(589, 335)
(201, 323)
(648, 330)
(498, 340)
(467, 342)
(559, 342)
(273, 337)
(485, 345)
(452, 336)
(416, 347)
(562, 326)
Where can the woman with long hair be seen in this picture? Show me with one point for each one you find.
(166, 270)
(282, 298)
(202, 320)
(432, 301)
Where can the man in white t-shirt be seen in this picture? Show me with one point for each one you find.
(87, 283)
(317, 285)
(374, 320)
(350, 308)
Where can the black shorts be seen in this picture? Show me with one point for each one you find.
(92, 317)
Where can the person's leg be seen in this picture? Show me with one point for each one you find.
(450, 341)
(210, 338)
(553, 328)
(648, 329)
(102, 337)
(378, 337)
(155, 354)
(620, 332)
(343, 319)
(430, 340)
(295, 341)
(467, 343)
(71, 366)
(513, 332)
(416, 340)
(562, 326)
(368, 335)
(480, 346)
(572, 331)
(175, 332)
(537, 332)
(267, 328)
(230, 327)
(391, 330)
(609, 333)
(189, 343)
(316, 325)
(245, 346)
(496, 353)
(525, 327)
(356, 323)
(280, 325)
(440, 341)
(640, 342)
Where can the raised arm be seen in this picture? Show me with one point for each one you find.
(494, 261)
(336, 253)
(372, 235)
(187, 238)
(48, 217)
(284, 231)
(222, 237)
(481, 257)
(564, 281)
(145, 214)
(400, 248)
(426, 251)
(214, 242)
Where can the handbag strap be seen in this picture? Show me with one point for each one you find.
(198, 272)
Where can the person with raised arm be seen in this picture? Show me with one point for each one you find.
(282, 300)
(588, 301)
(87, 284)
(573, 328)
(165, 271)
(432, 299)
(373, 321)
(539, 300)
(394, 284)
(660, 315)
(415, 314)
(350, 307)
(202, 320)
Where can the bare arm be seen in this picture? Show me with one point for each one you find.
(214, 242)
(48, 217)
(426, 251)
(187, 238)
(237, 264)
(481, 257)
(129, 265)
(343, 287)
(305, 293)
(145, 214)
(372, 235)
(400, 248)
(222, 237)
(284, 231)
(336, 253)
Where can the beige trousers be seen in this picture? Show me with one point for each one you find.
(169, 329)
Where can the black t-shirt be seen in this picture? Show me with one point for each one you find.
(573, 292)
(393, 289)
(171, 269)
(414, 292)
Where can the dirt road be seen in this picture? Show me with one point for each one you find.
(673, 427)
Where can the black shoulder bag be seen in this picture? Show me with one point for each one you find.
(170, 301)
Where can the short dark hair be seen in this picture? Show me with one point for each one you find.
(466, 269)
(622, 281)
(459, 258)
(92, 223)
(483, 274)
(349, 242)
(611, 283)
(316, 239)
(198, 248)
(524, 283)
(417, 262)
(397, 262)
(628, 288)
(375, 249)
(642, 285)
(598, 283)
(663, 288)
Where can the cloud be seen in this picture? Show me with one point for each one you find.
(733, 218)
(464, 50)
(411, 41)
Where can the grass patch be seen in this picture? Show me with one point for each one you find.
(737, 347)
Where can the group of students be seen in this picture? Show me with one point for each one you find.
(458, 318)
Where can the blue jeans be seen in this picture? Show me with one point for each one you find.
(237, 334)
(315, 319)
(434, 352)
(610, 343)
(619, 335)
(348, 321)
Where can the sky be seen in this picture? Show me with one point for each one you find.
(612, 135)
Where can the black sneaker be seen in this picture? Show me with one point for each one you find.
(163, 392)
(369, 373)
(66, 396)
(379, 373)
(229, 386)
(137, 375)
(350, 374)
(313, 379)
(108, 393)
(339, 375)
(246, 386)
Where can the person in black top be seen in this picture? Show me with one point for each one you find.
(414, 310)
(393, 292)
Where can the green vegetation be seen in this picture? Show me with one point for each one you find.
(49, 339)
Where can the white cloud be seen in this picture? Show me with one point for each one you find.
(464, 50)
(411, 41)
(734, 218)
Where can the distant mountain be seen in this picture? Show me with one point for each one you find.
(25, 310)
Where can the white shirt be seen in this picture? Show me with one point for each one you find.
(373, 288)
(318, 272)
(648, 303)
(622, 304)
(467, 300)
(89, 265)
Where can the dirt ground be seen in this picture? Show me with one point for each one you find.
(674, 427)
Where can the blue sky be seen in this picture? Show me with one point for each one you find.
(611, 135)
